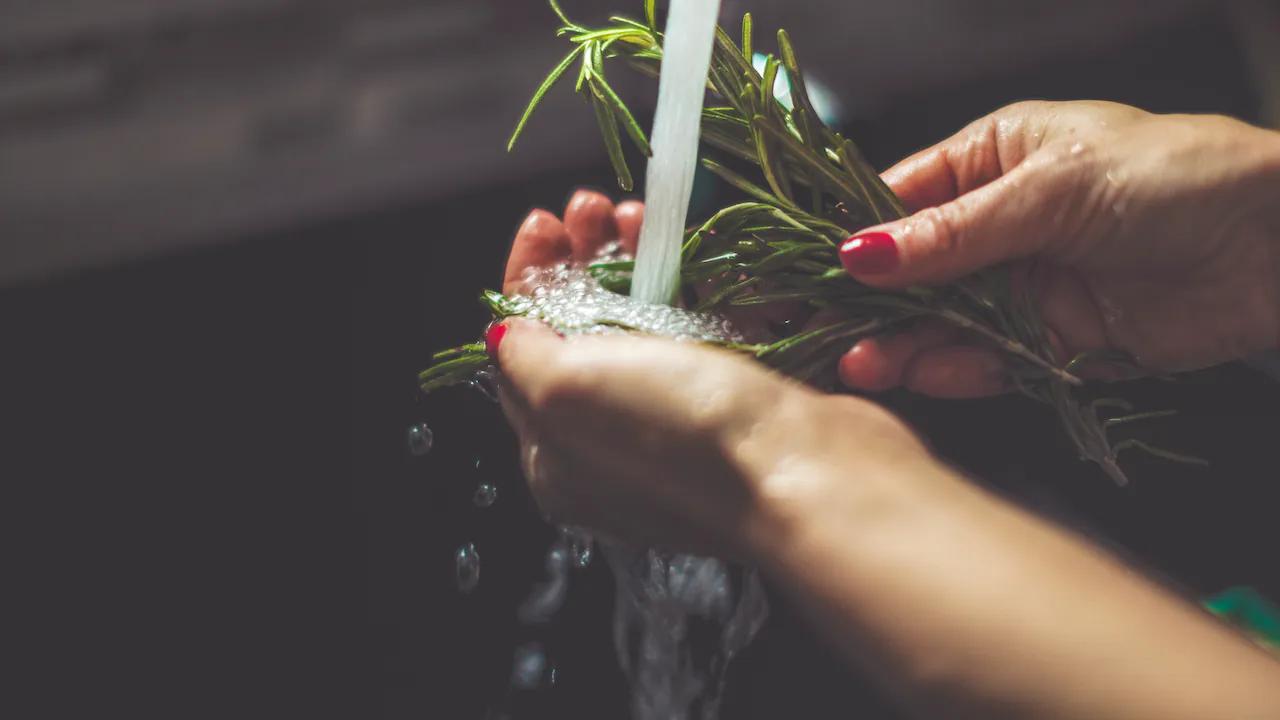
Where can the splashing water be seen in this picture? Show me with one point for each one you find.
(569, 299)
(677, 120)
(467, 565)
(663, 600)
(581, 546)
(420, 439)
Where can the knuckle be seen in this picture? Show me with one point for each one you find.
(1024, 108)
(945, 224)
(566, 384)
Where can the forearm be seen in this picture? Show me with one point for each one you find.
(967, 607)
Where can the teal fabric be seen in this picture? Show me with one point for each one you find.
(1249, 610)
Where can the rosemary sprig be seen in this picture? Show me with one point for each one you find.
(781, 245)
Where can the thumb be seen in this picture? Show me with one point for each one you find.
(1011, 217)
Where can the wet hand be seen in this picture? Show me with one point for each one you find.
(1154, 235)
(684, 446)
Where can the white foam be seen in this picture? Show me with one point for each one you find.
(571, 301)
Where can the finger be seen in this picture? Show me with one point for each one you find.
(981, 152)
(1068, 309)
(539, 461)
(877, 364)
(628, 217)
(540, 241)
(957, 372)
(589, 219)
(1015, 216)
(528, 355)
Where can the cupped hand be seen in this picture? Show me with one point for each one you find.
(1154, 235)
(650, 440)
(591, 221)
(683, 446)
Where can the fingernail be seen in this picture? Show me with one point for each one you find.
(870, 253)
(493, 338)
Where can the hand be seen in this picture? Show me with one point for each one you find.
(649, 456)
(683, 446)
(690, 448)
(1155, 235)
(590, 221)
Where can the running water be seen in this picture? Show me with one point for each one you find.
(678, 619)
(677, 120)
(662, 597)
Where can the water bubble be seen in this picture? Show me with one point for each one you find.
(467, 562)
(420, 439)
(611, 252)
(572, 302)
(485, 495)
(530, 668)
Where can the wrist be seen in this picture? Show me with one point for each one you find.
(830, 470)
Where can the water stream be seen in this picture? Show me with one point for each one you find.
(686, 60)
(662, 597)
(678, 619)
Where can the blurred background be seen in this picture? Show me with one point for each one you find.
(232, 231)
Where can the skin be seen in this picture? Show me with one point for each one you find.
(1149, 234)
(958, 602)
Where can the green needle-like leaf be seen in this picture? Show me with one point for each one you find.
(612, 141)
(541, 92)
(771, 249)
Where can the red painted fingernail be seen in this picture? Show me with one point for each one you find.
(493, 338)
(869, 254)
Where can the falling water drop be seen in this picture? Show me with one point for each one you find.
(548, 597)
(467, 561)
(485, 382)
(530, 669)
(420, 439)
(485, 495)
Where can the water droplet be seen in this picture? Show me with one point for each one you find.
(485, 382)
(467, 561)
(420, 439)
(548, 597)
(485, 495)
(530, 669)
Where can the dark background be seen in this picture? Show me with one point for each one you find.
(212, 510)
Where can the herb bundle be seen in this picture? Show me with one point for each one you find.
(812, 188)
